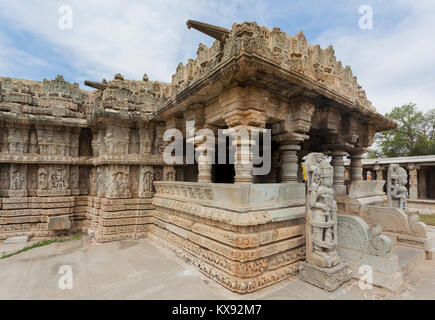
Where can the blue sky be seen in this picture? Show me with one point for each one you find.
(394, 62)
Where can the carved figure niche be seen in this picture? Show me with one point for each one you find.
(133, 145)
(33, 146)
(85, 142)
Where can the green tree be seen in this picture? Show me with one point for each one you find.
(414, 136)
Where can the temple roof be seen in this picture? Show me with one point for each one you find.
(289, 57)
(248, 52)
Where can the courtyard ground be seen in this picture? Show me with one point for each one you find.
(140, 270)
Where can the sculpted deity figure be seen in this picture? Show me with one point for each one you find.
(157, 173)
(17, 180)
(397, 191)
(169, 173)
(59, 180)
(42, 180)
(148, 179)
(321, 212)
(121, 182)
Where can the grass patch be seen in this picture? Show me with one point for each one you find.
(429, 219)
(75, 236)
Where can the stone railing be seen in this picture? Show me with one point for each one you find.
(288, 194)
(187, 190)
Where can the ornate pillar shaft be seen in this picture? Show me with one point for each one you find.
(356, 169)
(205, 163)
(205, 149)
(338, 166)
(289, 162)
(243, 165)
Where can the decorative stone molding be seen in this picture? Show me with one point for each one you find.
(354, 233)
(394, 220)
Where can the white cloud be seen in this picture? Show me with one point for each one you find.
(393, 62)
(118, 36)
(10, 57)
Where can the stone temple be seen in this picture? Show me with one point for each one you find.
(92, 161)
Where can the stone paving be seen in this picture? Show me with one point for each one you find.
(139, 270)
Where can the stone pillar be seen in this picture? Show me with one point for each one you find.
(413, 182)
(422, 188)
(204, 140)
(338, 165)
(289, 162)
(205, 160)
(379, 173)
(356, 169)
(242, 143)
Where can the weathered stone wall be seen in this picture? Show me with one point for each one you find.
(72, 160)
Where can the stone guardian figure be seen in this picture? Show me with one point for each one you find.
(397, 192)
(322, 267)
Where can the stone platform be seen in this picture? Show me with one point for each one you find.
(136, 269)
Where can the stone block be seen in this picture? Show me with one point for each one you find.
(390, 281)
(328, 279)
(19, 239)
(59, 223)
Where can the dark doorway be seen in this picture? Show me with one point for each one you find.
(223, 173)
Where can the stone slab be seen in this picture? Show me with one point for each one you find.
(387, 264)
(59, 223)
(328, 279)
(19, 239)
(409, 258)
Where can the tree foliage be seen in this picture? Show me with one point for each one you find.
(414, 136)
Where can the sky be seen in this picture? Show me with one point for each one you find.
(394, 61)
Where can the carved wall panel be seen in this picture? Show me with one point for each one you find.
(146, 179)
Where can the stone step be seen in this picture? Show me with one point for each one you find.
(409, 258)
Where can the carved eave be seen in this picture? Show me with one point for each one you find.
(249, 67)
(101, 115)
(44, 120)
